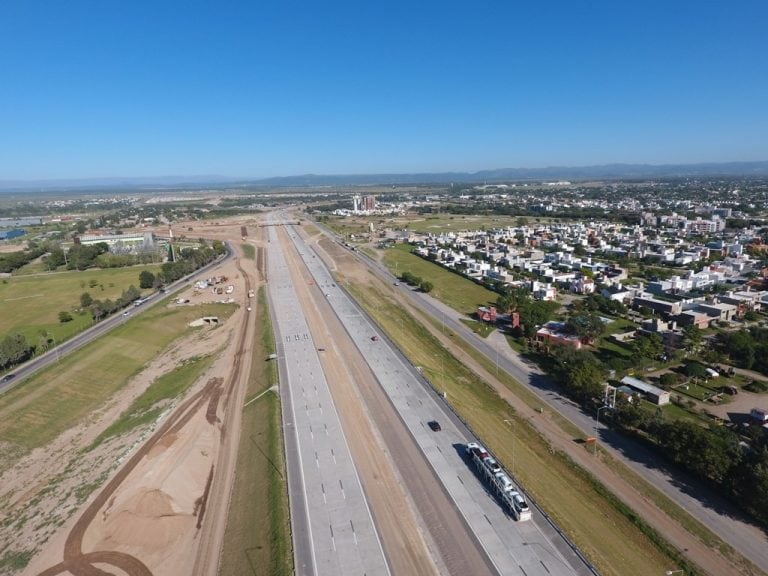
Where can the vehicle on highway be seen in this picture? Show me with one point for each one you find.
(434, 425)
(499, 480)
(8, 377)
(126, 313)
(375, 338)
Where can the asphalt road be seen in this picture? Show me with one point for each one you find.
(701, 502)
(525, 548)
(99, 329)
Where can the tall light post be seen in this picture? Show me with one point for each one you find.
(597, 423)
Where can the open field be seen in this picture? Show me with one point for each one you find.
(31, 304)
(249, 250)
(434, 223)
(455, 290)
(53, 400)
(257, 539)
(150, 404)
(616, 544)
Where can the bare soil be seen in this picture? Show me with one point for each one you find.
(711, 560)
(161, 510)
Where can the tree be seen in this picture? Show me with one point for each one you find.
(587, 327)
(692, 338)
(14, 349)
(146, 279)
(648, 346)
(667, 380)
(695, 370)
(580, 373)
(426, 286)
(749, 483)
(65, 316)
(512, 299)
(85, 300)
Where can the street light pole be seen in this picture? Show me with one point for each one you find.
(597, 423)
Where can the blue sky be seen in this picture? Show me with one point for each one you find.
(250, 89)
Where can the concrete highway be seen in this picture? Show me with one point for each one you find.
(698, 500)
(333, 530)
(525, 548)
(99, 329)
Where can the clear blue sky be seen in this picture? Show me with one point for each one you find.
(255, 88)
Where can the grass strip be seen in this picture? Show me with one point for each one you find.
(673, 510)
(257, 540)
(453, 289)
(249, 250)
(482, 329)
(148, 406)
(612, 539)
(55, 399)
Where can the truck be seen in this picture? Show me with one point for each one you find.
(499, 481)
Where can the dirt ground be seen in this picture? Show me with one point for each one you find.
(708, 558)
(160, 508)
(163, 492)
(161, 483)
(395, 520)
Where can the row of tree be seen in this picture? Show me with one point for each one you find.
(14, 260)
(101, 308)
(14, 349)
(189, 260)
(713, 454)
(418, 281)
(532, 313)
(745, 348)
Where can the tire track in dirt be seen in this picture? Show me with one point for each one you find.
(79, 563)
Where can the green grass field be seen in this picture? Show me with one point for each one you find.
(615, 539)
(483, 329)
(31, 304)
(454, 290)
(426, 223)
(249, 251)
(257, 539)
(36, 411)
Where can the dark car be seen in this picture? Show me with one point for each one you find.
(434, 425)
(8, 377)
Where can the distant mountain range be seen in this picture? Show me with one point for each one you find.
(602, 172)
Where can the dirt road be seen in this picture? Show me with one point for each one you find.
(444, 527)
(710, 559)
(175, 486)
(402, 540)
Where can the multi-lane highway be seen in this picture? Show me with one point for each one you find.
(333, 530)
(712, 510)
(525, 548)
